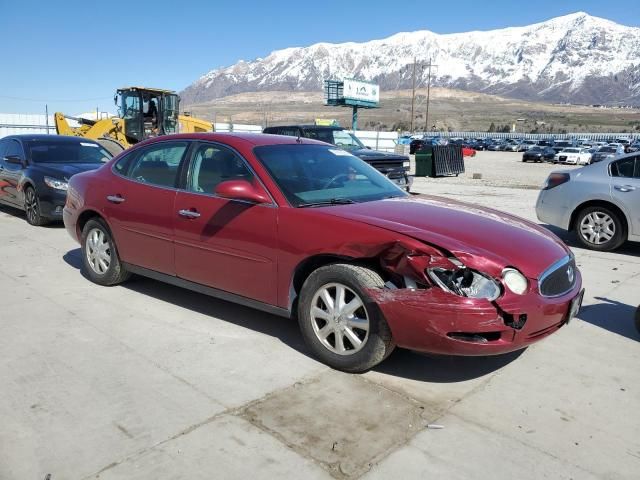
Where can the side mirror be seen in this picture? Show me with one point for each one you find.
(241, 190)
(14, 159)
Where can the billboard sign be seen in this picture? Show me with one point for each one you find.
(361, 91)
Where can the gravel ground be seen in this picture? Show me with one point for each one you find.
(499, 169)
(148, 381)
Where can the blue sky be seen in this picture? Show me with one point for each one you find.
(73, 55)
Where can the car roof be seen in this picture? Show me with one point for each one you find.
(25, 137)
(253, 139)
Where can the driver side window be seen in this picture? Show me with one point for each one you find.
(213, 164)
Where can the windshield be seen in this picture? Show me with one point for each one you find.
(607, 150)
(562, 144)
(43, 151)
(311, 174)
(536, 149)
(344, 139)
(571, 150)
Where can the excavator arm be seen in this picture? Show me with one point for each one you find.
(111, 128)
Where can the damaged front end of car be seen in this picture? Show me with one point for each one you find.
(463, 303)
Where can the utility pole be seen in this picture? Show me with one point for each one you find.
(426, 120)
(413, 92)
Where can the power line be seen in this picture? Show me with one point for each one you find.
(25, 99)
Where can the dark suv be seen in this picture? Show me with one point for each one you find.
(394, 166)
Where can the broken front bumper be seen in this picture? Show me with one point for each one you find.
(432, 320)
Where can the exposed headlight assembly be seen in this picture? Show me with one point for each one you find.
(56, 183)
(515, 281)
(465, 282)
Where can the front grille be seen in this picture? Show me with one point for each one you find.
(558, 279)
(563, 158)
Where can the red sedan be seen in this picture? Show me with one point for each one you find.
(300, 228)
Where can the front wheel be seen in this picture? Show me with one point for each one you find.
(32, 208)
(100, 259)
(340, 322)
(599, 228)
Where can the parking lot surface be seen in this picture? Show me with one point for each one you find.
(146, 380)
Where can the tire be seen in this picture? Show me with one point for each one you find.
(599, 228)
(376, 339)
(32, 208)
(100, 261)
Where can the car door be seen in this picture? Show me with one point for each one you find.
(229, 245)
(11, 173)
(625, 188)
(140, 204)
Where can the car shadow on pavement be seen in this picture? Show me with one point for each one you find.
(285, 329)
(442, 368)
(401, 363)
(16, 212)
(617, 317)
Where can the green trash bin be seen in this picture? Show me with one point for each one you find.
(424, 163)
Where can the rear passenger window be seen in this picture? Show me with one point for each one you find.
(623, 168)
(159, 164)
(122, 165)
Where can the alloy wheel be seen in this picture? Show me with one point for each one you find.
(98, 251)
(339, 319)
(31, 205)
(597, 228)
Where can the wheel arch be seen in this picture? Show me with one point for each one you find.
(87, 215)
(310, 264)
(600, 203)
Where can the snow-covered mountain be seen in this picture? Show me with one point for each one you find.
(576, 58)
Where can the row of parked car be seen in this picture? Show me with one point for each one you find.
(621, 145)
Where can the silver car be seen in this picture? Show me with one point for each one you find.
(600, 202)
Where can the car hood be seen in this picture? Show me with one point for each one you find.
(66, 170)
(375, 155)
(467, 231)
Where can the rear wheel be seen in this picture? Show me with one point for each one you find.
(340, 322)
(99, 255)
(32, 208)
(599, 228)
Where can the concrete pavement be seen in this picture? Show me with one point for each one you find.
(146, 380)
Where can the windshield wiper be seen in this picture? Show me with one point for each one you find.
(332, 201)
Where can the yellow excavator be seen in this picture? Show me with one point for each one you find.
(142, 113)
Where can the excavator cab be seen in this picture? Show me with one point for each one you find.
(143, 113)
(147, 112)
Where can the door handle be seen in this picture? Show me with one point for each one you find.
(115, 198)
(188, 213)
(624, 188)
